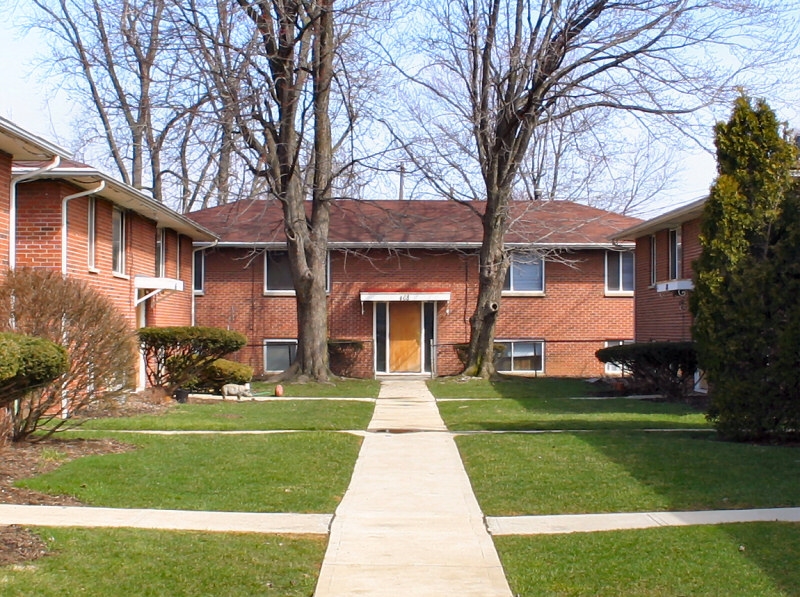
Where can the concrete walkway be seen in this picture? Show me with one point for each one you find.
(409, 523)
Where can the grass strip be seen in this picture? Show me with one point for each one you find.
(291, 472)
(347, 388)
(510, 387)
(248, 416)
(620, 471)
(144, 563)
(739, 560)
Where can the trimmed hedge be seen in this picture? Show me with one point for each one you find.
(666, 368)
(27, 362)
(174, 355)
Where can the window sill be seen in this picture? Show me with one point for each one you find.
(199, 292)
(93, 270)
(523, 293)
(121, 276)
(279, 293)
(617, 293)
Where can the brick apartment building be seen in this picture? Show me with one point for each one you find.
(403, 279)
(61, 215)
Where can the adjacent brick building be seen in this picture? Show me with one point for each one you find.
(403, 280)
(666, 247)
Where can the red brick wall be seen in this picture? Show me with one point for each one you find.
(664, 316)
(574, 318)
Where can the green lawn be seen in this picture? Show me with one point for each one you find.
(284, 472)
(229, 416)
(626, 471)
(664, 562)
(143, 563)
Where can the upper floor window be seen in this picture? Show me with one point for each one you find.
(619, 271)
(653, 261)
(91, 236)
(278, 273)
(118, 241)
(199, 271)
(161, 252)
(525, 274)
(675, 253)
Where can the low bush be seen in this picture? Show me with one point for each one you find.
(666, 368)
(218, 373)
(97, 338)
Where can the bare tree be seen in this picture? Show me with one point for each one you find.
(498, 75)
(274, 64)
(161, 125)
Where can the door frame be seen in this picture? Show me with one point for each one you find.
(425, 361)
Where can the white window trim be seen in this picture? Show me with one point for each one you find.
(653, 261)
(267, 292)
(675, 254)
(513, 292)
(609, 292)
(119, 272)
(266, 342)
(200, 254)
(518, 341)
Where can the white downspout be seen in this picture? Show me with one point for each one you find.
(64, 235)
(12, 208)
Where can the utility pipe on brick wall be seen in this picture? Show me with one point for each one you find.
(64, 231)
(12, 208)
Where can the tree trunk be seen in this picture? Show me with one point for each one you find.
(493, 267)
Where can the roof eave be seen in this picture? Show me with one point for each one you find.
(667, 220)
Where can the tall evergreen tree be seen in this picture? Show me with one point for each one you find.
(739, 303)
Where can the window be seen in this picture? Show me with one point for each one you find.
(199, 272)
(278, 273)
(611, 368)
(161, 252)
(675, 253)
(526, 274)
(653, 262)
(279, 354)
(118, 241)
(619, 271)
(521, 356)
(91, 243)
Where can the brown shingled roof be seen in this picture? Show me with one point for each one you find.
(419, 223)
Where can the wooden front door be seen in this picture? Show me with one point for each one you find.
(405, 342)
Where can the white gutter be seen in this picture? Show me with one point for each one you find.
(12, 208)
(64, 231)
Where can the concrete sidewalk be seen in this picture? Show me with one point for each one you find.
(409, 523)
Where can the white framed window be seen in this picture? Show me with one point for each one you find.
(619, 272)
(653, 260)
(612, 368)
(525, 274)
(199, 274)
(278, 273)
(118, 241)
(91, 234)
(161, 252)
(279, 354)
(675, 253)
(521, 356)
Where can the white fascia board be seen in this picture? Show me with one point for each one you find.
(672, 285)
(396, 297)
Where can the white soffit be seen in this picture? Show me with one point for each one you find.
(151, 283)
